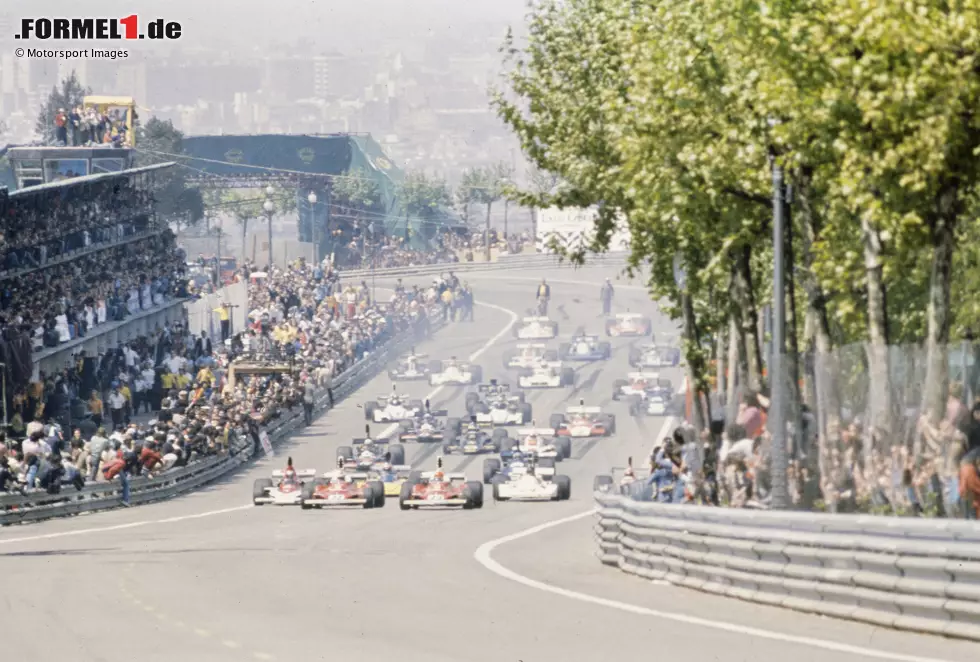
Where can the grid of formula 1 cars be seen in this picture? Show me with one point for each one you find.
(522, 456)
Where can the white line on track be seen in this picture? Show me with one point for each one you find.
(484, 552)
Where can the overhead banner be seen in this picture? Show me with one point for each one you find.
(573, 229)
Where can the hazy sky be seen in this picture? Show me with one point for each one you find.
(252, 22)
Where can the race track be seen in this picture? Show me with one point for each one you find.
(209, 577)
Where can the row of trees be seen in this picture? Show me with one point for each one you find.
(672, 114)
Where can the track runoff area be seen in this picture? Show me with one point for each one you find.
(210, 577)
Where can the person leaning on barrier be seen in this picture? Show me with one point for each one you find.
(969, 484)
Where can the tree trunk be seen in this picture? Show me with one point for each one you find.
(701, 406)
(731, 393)
(880, 395)
(826, 373)
(937, 333)
(486, 236)
(747, 316)
(793, 347)
(244, 236)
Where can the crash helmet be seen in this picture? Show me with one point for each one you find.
(628, 473)
(387, 466)
(438, 475)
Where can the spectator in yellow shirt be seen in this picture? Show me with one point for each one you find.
(128, 394)
(96, 407)
(224, 314)
(205, 375)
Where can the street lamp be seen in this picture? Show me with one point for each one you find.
(270, 209)
(311, 198)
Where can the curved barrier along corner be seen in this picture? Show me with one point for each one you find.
(909, 574)
(542, 260)
(38, 505)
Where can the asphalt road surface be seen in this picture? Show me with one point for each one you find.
(209, 577)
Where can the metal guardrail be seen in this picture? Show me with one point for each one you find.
(919, 575)
(503, 262)
(39, 505)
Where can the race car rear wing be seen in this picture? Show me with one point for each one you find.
(305, 473)
(427, 475)
(532, 345)
(648, 376)
(544, 472)
(358, 442)
(629, 316)
(541, 432)
(398, 468)
(550, 364)
(532, 320)
(497, 388)
(584, 410)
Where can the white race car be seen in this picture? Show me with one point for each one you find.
(540, 443)
(534, 483)
(412, 367)
(392, 408)
(641, 383)
(528, 355)
(536, 328)
(552, 374)
(655, 356)
(650, 404)
(454, 372)
(281, 490)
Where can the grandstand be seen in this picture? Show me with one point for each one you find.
(85, 265)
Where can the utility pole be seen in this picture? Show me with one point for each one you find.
(777, 381)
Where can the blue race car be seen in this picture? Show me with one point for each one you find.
(584, 347)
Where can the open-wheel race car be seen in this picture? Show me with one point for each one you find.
(454, 372)
(541, 443)
(642, 384)
(411, 368)
(536, 328)
(428, 428)
(472, 440)
(584, 347)
(582, 421)
(656, 355)
(629, 324)
(366, 453)
(495, 404)
(438, 489)
(552, 374)
(285, 488)
(626, 481)
(655, 403)
(392, 408)
(344, 488)
(524, 478)
(528, 355)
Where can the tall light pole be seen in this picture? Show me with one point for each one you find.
(311, 198)
(777, 380)
(270, 209)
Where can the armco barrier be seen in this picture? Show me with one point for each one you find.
(519, 261)
(910, 574)
(38, 505)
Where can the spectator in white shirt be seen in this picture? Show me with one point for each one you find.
(117, 407)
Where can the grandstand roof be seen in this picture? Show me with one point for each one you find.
(87, 179)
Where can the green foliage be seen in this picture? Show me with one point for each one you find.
(175, 199)
(357, 190)
(421, 196)
(67, 96)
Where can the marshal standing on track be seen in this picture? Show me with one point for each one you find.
(544, 296)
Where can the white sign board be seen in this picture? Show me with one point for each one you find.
(266, 442)
(573, 229)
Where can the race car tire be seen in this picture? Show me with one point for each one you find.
(447, 449)
(476, 373)
(379, 493)
(507, 445)
(434, 367)
(369, 498)
(491, 467)
(306, 500)
(605, 350)
(397, 453)
(498, 435)
(471, 399)
(369, 408)
(259, 487)
(635, 357)
(550, 355)
(473, 492)
(609, 328)
(554, 329)
(564, 485)
(526, 413)
(345, 452)
(416, 405)
(481, 408)
(392, 375)
(547, 463)
(602, 483)
(413, 477)
(564, 447)
(567, 377)
(564, 349)
(520, 395)
(609, 422)
(405, 495)
(556, 421)
(454, 425)
(618, 388)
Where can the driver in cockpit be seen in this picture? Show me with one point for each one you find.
(387, 472)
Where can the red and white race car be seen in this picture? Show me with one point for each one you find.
(438, 489)
(281, 489)
(343, 488)
(629, 324)
(582, 421)
(642, 384)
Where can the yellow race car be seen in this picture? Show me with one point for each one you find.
(394, 479)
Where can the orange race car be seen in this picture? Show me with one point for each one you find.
(582, 421)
